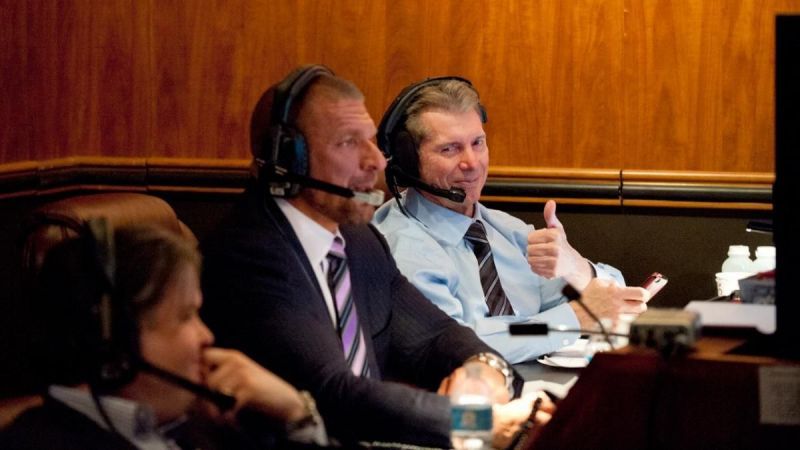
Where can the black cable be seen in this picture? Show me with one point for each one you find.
(103, 413)
(223, 401)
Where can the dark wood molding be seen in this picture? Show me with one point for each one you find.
(564, 188)
(514, 184)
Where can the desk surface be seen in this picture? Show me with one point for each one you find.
(708, 347)
(532, 370)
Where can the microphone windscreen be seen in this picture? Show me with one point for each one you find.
(374, 197)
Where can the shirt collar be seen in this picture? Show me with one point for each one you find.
(445, 225)
(315, 239)
(134, 421)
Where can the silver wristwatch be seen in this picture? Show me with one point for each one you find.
(310, 416)
(499, 364)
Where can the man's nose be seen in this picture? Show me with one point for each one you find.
(468, 159)
(206, 335)
(373, 158)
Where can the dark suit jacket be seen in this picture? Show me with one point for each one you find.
(261, 296)
(55, 426)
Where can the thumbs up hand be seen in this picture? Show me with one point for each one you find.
(551, 256)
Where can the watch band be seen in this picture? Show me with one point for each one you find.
(310, 417)
(500, 365)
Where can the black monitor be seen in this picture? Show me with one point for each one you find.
(786, 193)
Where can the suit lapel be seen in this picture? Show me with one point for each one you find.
(358, 284)
(275, 216)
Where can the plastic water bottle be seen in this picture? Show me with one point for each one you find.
(738, 260)
(765, 259)
(471, 411)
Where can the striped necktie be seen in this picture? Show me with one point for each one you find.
(493, 292)
(353, 344)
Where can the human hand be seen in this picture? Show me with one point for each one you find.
(492, 376)
(606, 298)
(508, 419)
(550, 254)
(233, 373)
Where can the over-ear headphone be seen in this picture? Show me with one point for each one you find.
(88, 334)
(284, 148)
(117, 346)
(394, 139)
(83, 299)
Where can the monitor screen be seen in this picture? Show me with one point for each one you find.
(785, 193)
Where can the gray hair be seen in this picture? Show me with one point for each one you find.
(449, 96)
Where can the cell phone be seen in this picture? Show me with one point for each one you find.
(654, 283)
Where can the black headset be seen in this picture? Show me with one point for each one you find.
(117, 352)
(395, 141)
(102, 343)
(93, 337)
(87, 332)
(283, 151)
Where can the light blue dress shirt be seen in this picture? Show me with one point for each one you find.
(431, 252)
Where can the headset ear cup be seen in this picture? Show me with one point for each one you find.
(292, 153)
(292, 157)
(406, 153)
(118, 347)
(121, 363)
(300, 165)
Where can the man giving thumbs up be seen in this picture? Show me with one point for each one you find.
(483, 267)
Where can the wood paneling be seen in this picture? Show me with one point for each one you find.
(700, 79)
(592, 84)
(15, 131)
(214, 59)
(72, 79)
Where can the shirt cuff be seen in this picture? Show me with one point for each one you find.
(310, 429)
(600, 273)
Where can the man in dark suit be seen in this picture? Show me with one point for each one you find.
(306, 287)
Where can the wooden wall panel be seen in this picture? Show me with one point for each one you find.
(199, 74)
(699, 81)
(214, 59)
(72, 75)
(15, 130)
(544, 109)
(595, 61)
(594, 84)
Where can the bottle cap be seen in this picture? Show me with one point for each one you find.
(765, 250)
(739, 250)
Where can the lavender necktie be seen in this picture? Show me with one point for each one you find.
(493, 292)
(353, 344)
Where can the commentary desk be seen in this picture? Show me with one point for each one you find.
(636, 398)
